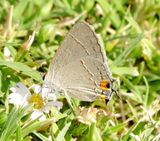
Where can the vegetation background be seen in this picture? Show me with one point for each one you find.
(130, 33)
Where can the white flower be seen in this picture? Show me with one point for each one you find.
(42, 99)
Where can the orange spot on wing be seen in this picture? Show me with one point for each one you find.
(104, 85)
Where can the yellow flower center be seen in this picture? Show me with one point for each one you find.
(37, 100)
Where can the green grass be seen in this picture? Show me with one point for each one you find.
(130, 33)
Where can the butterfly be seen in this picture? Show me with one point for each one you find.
(79, 67)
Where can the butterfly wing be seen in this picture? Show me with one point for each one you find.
(79, 64)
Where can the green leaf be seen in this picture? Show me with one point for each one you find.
(94, 133)
(24, 69)
(11, 125)
(132, 45)
(132, 71)
(60, 136)
(20, 9)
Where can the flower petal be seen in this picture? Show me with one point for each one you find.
(38, 114)
(20, 89)
(17, 99)
(45, 90)
(19, 95)
(47, 93)
(6, 52)
(49, 105)
(37, 89)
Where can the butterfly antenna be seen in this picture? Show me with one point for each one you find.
(116, 92)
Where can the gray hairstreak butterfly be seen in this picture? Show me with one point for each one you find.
(79, 67)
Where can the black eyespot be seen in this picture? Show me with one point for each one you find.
(108, 85)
